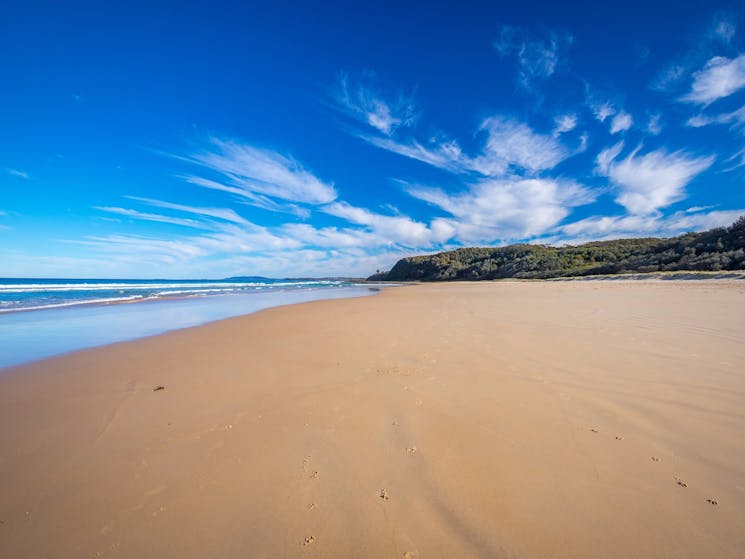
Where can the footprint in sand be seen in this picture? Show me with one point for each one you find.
(619, 438)
(712, 502)
(311, 506)
(681, 482)
(309, 540)
(655, 459)
(314, 475)
(411, 449)
(593, 430)
(410, 554)
(384, 494)
(395, 424)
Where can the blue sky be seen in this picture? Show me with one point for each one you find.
(222, 138)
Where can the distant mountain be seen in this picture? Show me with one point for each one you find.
(252, 279)
(714, 250)
(262, 279)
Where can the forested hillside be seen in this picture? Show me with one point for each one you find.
(714, 250)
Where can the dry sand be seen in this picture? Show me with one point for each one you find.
(562, 419)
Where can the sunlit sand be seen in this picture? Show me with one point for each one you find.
(546, 419)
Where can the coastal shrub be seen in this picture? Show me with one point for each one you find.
(718, 249)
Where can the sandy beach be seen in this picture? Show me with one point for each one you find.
(511, 419)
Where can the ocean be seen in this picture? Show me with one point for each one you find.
(36, 294)
(44, 317)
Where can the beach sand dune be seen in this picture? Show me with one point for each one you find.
(511, 419)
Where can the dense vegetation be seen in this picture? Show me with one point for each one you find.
(714, 250)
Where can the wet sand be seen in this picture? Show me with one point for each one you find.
(512, 419)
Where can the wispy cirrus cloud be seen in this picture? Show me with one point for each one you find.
(145, 216)
(224, 214)
(161, 250)
(260, 177)
(612, 227)
(564, 123)
(651, 181)
(670, 76)
(723, 28)
(444, 154)
(605, 158)
(621, 122)
(247, 197)
(502, 210)
(654, 124)
(719, 78)
(400, 230)
(735, 118)
(364, 104)
(537, 57)
(736, 161)
(510, 145)
(19, 174)
(602, 111)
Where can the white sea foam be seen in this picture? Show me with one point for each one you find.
(61, 287)
(35, 295)
(75, 303)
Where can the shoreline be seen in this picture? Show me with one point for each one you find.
(44, 333)
(526, 419)
(170, 296)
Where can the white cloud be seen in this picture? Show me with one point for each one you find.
(719, 78)
(225, 214)
(398, 229)
(512, 144)
(234, 239)
(347, 262)
(17, 173)
(330, 237)
(564, 123)
(228, 235)
(509, 145)
(369, 107)
(696, 209)
(613, 227)
(162, 250)
(443, 154)
(654, 125)
(607, 156)
(537, 57)
(723, 29)
(652, 181)
(668, 77)
(603, 110)
(35, 266)
(249, 198)
(259, 176)
(621, 122)
(506, 209)
(135, 214)
(736, 118)
(737, 160)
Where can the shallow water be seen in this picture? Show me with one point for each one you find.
(34, 294)
(30, 335)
